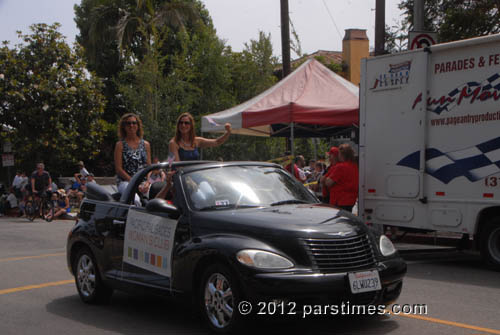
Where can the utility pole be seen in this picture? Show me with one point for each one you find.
(285, 57)
(418, 15)
(285, 38)
(379, 27)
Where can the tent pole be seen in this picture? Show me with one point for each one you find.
(315, 148)
(291, 140)
(201, 150)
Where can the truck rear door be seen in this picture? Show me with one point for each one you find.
(392, 136)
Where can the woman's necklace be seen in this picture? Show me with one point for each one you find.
(187, 145)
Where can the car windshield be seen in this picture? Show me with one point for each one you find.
(232, 187)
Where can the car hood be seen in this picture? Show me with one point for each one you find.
(303, 220)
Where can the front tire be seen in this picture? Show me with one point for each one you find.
(30, 211)
(490, 244)
(48, 211)
(88, 281)
(219, 296)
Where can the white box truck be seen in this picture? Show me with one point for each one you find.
(429, 147)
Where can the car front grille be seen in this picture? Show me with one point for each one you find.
(340, 254)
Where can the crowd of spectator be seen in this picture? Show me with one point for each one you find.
(335, 183)
(25, 189)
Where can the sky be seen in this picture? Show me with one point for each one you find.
(320, 24)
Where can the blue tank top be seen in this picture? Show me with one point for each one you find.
(189, 155)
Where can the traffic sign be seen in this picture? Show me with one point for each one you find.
(7, 160)
(421, 39)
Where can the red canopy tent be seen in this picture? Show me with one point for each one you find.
(312, 99)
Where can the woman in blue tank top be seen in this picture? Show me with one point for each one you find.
(184, 145)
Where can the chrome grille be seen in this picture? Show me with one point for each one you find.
(339, 254)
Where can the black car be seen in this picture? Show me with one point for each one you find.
(231, 236)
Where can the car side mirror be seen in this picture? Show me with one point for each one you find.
(162, 206)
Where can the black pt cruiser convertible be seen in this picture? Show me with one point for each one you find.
(229, 236)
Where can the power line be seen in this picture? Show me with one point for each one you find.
(333, 20)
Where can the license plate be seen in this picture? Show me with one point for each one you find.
(364, 281)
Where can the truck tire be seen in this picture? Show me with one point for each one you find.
(490, 243)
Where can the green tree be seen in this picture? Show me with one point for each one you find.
(251, 72)
(132, 45)
(51, 106)
(396, 40)
(455, 19)
(183, 71)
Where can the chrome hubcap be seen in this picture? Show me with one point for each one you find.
(218, 300)
(86, 276)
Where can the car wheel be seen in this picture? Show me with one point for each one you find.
(218, 298)
(88, 281)
(490, 243)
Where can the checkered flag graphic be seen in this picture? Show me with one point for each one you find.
(452, 97)
(474, 162)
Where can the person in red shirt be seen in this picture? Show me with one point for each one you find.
(298, 164)
(343, 179)
(333, 157)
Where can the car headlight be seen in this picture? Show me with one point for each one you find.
(263, 259)
(386, 246)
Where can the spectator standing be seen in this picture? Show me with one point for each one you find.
(132, 152)
(16, 184)
(309, 169)
(333, 158)
(24, 184)
(297, 165)
(343, 179)
(316, 176)
(184, 145)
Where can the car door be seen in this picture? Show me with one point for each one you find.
(147, 248)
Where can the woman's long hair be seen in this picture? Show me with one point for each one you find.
(122, 133)
(178, 134)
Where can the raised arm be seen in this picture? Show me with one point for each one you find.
(206, 142)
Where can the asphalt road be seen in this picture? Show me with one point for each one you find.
(38, 296)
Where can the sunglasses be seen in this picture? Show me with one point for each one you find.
(130, 123)
(185, 122)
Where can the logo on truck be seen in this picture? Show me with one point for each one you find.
(471, 91)
(474, 163)
(397, 76)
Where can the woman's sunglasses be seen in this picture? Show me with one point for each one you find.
(185, 122)
(130, 123)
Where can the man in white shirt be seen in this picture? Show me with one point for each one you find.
(16, 184)
(83, 174)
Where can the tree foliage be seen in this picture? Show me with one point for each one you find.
(50, 105)
(455, 19)
(163, 67)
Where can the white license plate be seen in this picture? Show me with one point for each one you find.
(364, 281)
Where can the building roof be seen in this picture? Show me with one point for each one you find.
(331, 56)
